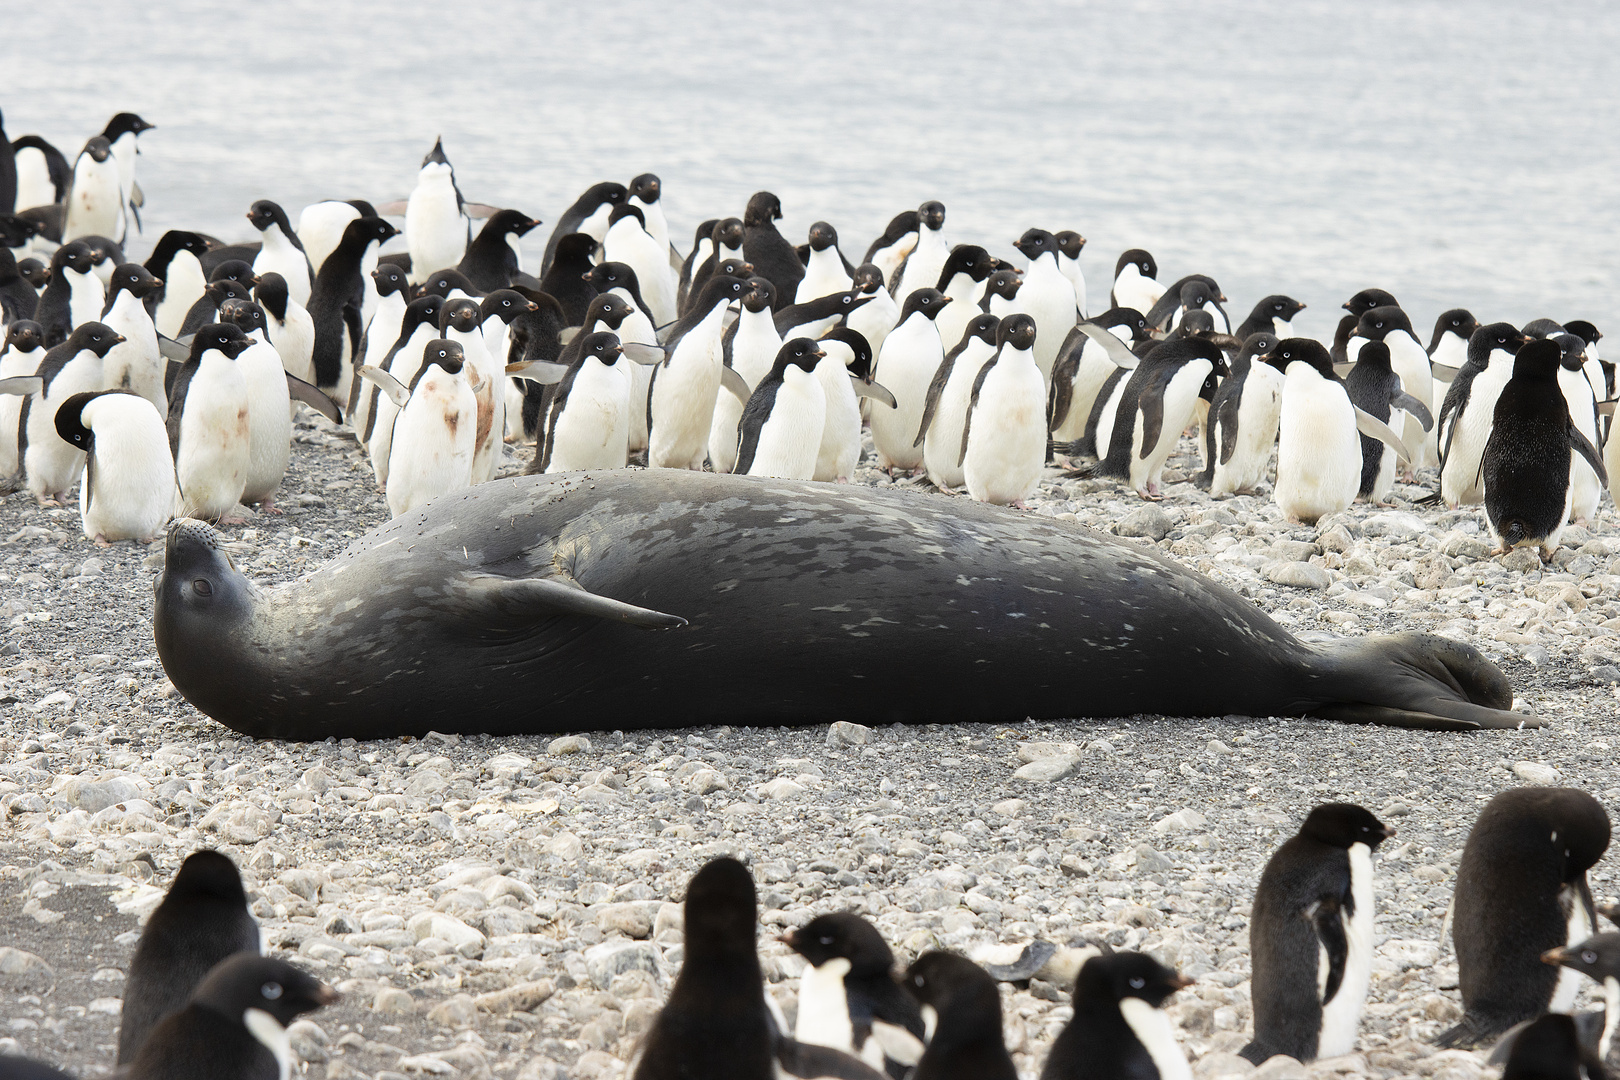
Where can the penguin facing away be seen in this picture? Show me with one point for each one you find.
(890, 250)
(773, 257)
(1311, 936)
(1155, 407)
(1521, 891)
(127, 489)
(1119, 1030)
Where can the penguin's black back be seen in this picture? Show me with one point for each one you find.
(772, 256)
(1527, 457)
(1507, 911)
(198, 1043)
(1548, 1049)
(1370, 384)
(203, 919)
(1097, 1043)
(566, 277)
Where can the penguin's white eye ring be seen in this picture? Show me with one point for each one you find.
(826, 940)
(271, 990)
(918, 979)
(1588, 957)
(1138, 982)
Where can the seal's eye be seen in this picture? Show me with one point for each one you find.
(203, 587)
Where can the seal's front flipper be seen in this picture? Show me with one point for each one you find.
(544, 597)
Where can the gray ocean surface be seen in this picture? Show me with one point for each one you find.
(1457, 154)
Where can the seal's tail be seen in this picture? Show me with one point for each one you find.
(1414, 680)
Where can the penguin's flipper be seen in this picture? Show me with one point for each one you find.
(1606, 408)
(396, 208)
(1583, 446)
(875, 391)
(568, 334)
(644, 354)
(397, 391)
(550, 596)
(173, 349)
(936, 387)
(1343, 368)
(299, 390)
(1406, 402)
(1030, 961)
(22, 385)
(1226, 418)
(1327, 916)
(1371, 426)
(811, 1062)
(973, 403)
(1443, 372)
(899, 1044)
(1119, 354)
(538, 371)
(479, 210)
(735, 383)
(1151, 405)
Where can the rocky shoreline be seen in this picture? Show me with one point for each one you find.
(505, 907)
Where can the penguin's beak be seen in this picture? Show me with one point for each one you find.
(790, 939)
(1302, 307)
(1346, 305)
(119, 339)
(1555, 957)
(326, 995)
(1389, 831)
(819, 353)
(157, 283)
(1180, 982)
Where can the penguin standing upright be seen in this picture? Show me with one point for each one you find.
(962, 279)
(780, 430)
(874, 319)
(123, 134)
(235, 1024)
(846, 377)
(1155, 407)
(961, 1012)
(890, 250)
(565, 278)
(1599, 372)
(20, 355)
(436, 224)
(18, 297)
(1004, 436)
(629, 242)
(726, 242)
(337, 304)
(202, 920)
(1448, 352)
(43, 172)
(321, 226)
(1584, 486)
(826, 270)
(950, 392)
(208, 425)
(1311, 936)
(702, 249)
(1319, 447)
(1195, 292)
(635, 327)
(493, 259)
(910, 356)
(1527, 467)
(433, 430)
(588, 419)
(135, 364)
(1468, 409)
(1136, 281)
(1070, 245)
(73, 367)
(922, 267)
(588, 214)
(773, 257)
(749, 348)
(176, 262)
(1274, 315)
(1243, 418)
(848, 996)
(126, 491)
(95, 203)
(461, 322)
(283, 252)
(1409, 360)
(74, 296)
(1521, 890)
(1376, 389)
(680, 403)
(1119, 1030)
(269, 412)
(393, 297)
(1082, 369)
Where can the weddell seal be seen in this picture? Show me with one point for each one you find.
(524, 606)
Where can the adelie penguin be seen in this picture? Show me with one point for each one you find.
(1155, 407)
(1244, 416)
(234, 1026)
(208, 425)
(1274, 315)
(825, 269)
(962, 279)
(749, 347)
(780, 431)
(922, 267)
(1585, 487)
(1311, 936)
(269, 401)
(646, 193)
(20, 357)
(95, 198)
(402, 360)
(1409, 360)
(1550, 1048)
(587, 425)
(1070, 245)
(772, 256)
(1120, 1030)
(1469, 408)
(874, 319)
(321, 225)
(1004, 436)
(945, 408)
(74, 296)
(680, 403)
(846, 377)
(702, 249)
(629, 242)
(961, 1011)
(1046, 296)
(127, 489)
(567, 278)
(437, 227)
(433, 434)
(588, 214)
(1521, 891)
(73, 367)
(725, 242)
(849, 998)
(911, 354)
(176, 261)
(202, 920)
(890, 250)
(1598, 958)
(1528, 463)
(136, 363)
(1375, 388)
(1083, 371)
(337, 304)
(123, 134)
(281, 251)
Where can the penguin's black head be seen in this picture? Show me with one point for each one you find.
(515, 222)
(24, 336)
(16, 231)
(1070, 243)
(801, 353)
(983, 327)
(34, 271)
(1598, 957)
(1488, 339)
(1538, 360)
(575, 247)
(463, 315)
(763, 208)
(211, 874)
(728, 233)
(102, 249)
(1130, 318)
(760, 296)
(608, 309)
(1194, 295)
(390, 279)
(851, 300)
(368, 230)
(1542, 328)
(443, 282)
(224, 337)
(842, 935)
(1278, 307)
(646, 188)
(1382, 321)
(613, 275)
(861, 362)
(868, 278)
(70, 420)
(446, 354)
(244, 313)
(1258, 344)
(1113, 977)
(961, 995)
(1367, 299)
(1035, 243)
(735, 268)
(1584, 330)
(1459, 321)
(1144, 263)
(1572, 351)
(719, 289)
(1003, 283)
(436, 155)
(603, 347)
(99, 148)
(234, 270)
(246, 981)
(969, 259)
(125, 123)
(506, 305)
(422, 310)
(1017, 331)
(610, 192)
(627, 210)
(133, 278)
(705, 231)
(227, 289)
(75, 256)
(265, 213)
(96, 337)
(1195, 322)
(720, 911)
(1344, 824)
(822, 236)
(1304, 351)
(928, 301)
(271, 294)
(932, 215)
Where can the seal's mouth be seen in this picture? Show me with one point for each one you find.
(190, 536)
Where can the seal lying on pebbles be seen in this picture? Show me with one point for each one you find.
(520, 606)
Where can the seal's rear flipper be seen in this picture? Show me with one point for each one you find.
(545, 597)
(1414, 680)
(1358, 713)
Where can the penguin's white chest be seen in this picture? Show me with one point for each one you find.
(183, 286)
(911, 355)
(790, 438)
(1579, 928)
(683, 397)
(1007, 431)
(435, 230)
(272, 1036)
(1319, 452)
(1133, 290)
(212, 462)
(593, 430)
(128, 491)
(1341, 1017)
(841, 430)
(1462, 476)
(431, 451)
(1176, 407)
(824, 1007)
(942, 442)
(1153, 1030)
(1048, 298)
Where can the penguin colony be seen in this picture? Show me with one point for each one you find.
(1523, 922)
(745, 354)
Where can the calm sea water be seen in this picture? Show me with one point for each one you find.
(1456, 154)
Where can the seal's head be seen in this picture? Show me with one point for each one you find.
(203, 606)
